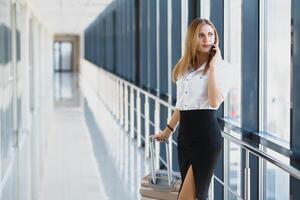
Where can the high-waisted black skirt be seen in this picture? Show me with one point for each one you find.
(199, 144)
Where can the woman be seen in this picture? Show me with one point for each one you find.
(203, 80)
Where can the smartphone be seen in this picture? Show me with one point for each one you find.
(212, 52)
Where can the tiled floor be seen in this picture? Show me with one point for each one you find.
(89, 158)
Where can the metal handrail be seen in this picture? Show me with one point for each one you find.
(259, 153)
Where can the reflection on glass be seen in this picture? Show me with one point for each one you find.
(56, 56)
(233, 170)
(66, 56)
(275, 86)
(277, 68)
(63, 56)
(205, 9)
(276, 184)
(6, 88)
(232, 54)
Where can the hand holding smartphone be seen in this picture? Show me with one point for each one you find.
(212, 52)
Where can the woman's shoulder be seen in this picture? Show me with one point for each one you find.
(178, 80)
(181, 76)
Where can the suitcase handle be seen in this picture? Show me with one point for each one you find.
(152, 160)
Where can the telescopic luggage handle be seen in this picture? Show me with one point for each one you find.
(152, 160)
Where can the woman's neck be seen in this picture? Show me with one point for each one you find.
(201, 58)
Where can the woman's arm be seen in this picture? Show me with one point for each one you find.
(166, 133)
(215, 98)
(173, 121)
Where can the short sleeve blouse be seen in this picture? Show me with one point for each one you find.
(193, 85)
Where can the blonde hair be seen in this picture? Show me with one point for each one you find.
(190, 50)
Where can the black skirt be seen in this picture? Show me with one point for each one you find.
(199, 144)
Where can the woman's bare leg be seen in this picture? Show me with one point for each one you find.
(188, 190)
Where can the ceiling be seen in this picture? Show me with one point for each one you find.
(69, 16)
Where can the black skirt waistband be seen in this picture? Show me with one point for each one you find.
(197, 114)
(198, 124)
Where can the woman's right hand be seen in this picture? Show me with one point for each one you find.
(162, 135)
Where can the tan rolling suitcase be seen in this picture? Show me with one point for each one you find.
(160, 184)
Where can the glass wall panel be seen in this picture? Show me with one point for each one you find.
(175, 39)
(233, 168)
(63, 55)
(275, 79)
(184, 23)
(56, 56)
(276, 182)
(232, 103)
(163, 51)
(232, 54)
(20, 61)
(205, 9)
(66, 56)
(152, 42)
(6, 109)
(276, 67)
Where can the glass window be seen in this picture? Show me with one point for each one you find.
(233, 169)
(66, 56)
(232, 54)
(232, 103)
(63, 56)
(275, 67)
(273, 177)
(56, 56)
(205, 9)
(6, 109)
(184, 23)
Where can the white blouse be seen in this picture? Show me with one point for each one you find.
(193, 85)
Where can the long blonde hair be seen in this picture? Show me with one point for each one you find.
(190, 50)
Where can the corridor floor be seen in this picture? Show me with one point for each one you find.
(85, 160)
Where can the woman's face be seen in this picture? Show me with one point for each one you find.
(206, 38)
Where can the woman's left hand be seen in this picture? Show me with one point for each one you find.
(217, 55)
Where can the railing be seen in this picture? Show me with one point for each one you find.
(117, 93)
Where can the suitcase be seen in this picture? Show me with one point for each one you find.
(160, 184)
